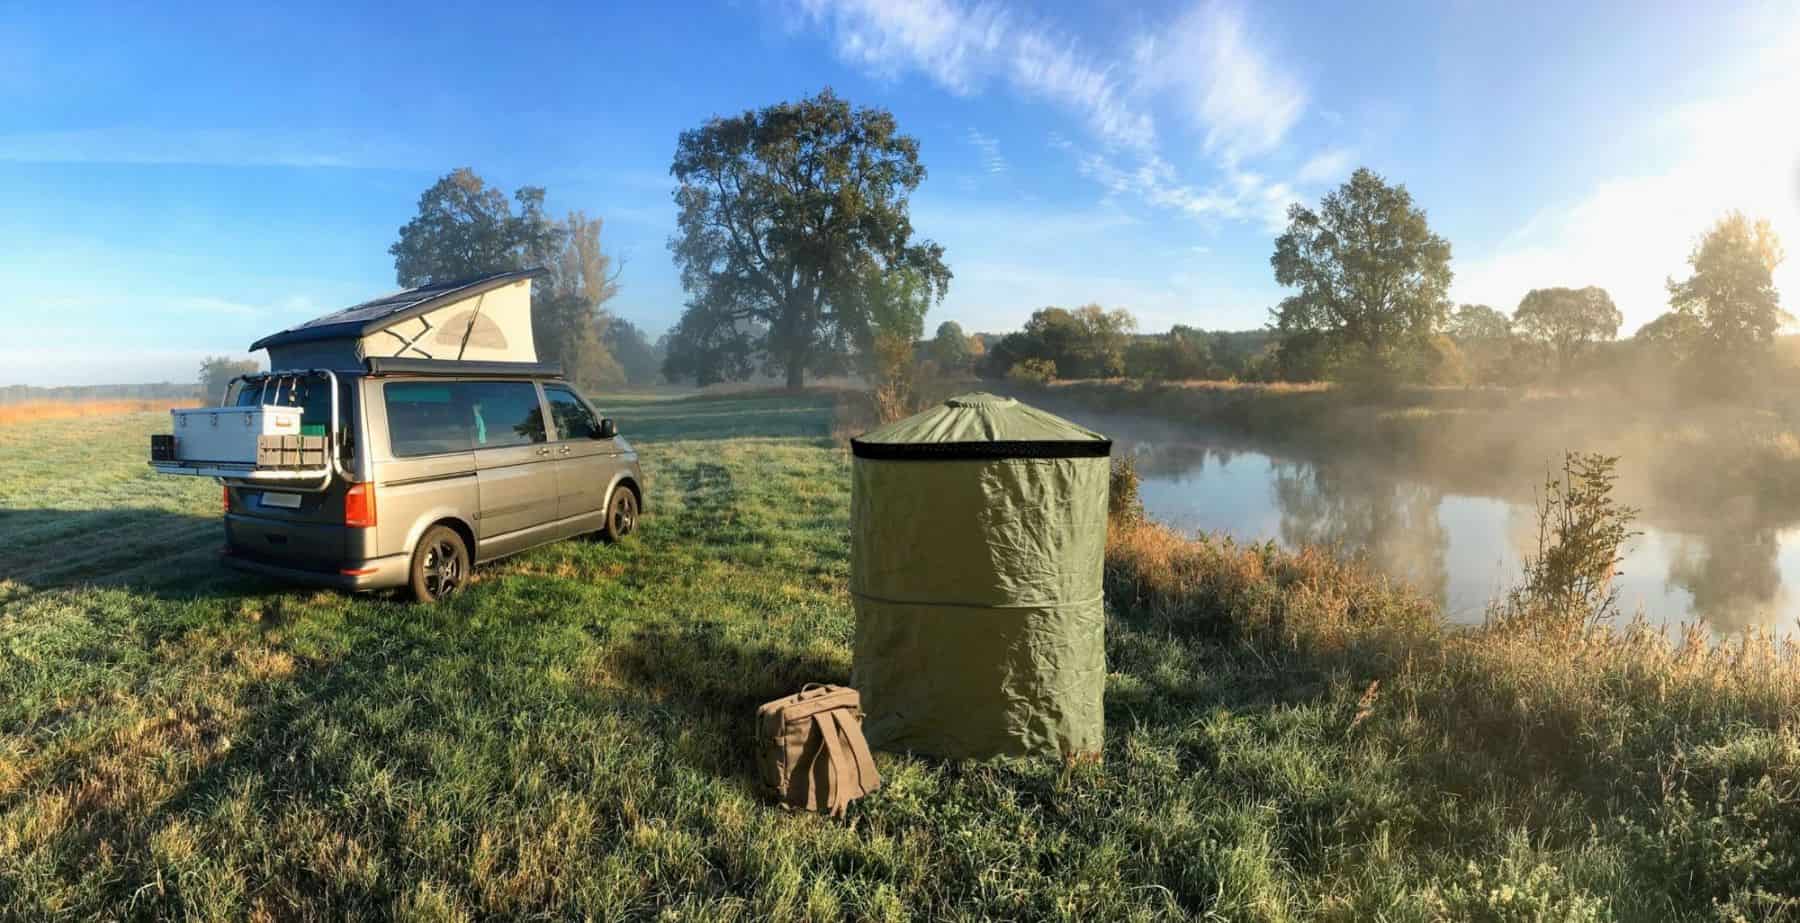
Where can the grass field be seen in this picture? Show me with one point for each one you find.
(1288, 738)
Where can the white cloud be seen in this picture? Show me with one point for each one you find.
(1205, 63)
(1629, 233)
(962, 47)
(1229, 86)
(1240, 195)
(1331, 166)
(991, 159)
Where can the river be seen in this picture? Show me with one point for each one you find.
(1462, 550)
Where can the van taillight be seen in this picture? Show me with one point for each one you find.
(359, 506)
(225, 504)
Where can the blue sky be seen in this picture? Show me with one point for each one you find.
(177, 185)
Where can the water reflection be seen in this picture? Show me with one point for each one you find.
(1462, 550)
(1392, 524)
(1733, 575)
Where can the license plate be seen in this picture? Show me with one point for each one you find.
(281, 501)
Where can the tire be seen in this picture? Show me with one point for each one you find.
(440, 565)
(621, 514)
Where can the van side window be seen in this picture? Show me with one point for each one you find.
(573, 419)
(425, 418)
(502, 413)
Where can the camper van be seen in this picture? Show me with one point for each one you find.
(399, 442)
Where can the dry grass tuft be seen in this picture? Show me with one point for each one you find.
(56, 410)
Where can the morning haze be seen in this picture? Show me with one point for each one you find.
(834, 459)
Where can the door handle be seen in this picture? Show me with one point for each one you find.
(544, 451)
(563, 451)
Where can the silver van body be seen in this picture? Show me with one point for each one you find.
(417, 451)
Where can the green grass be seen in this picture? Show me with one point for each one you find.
(572, 736)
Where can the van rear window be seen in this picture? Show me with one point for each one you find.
(424, 418)
(434, 417)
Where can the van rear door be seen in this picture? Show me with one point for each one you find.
(296, 528)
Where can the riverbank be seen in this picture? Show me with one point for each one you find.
(1685, 465)
(1407, 770)
(1289, 737)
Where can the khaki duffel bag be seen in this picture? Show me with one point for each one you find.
(810, 749)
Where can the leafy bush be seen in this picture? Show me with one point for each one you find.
(1123, 504)
(1032, 372)
(1569, 581)
(895, 370)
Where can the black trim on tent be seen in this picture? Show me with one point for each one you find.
(408, 365)
(982, 451)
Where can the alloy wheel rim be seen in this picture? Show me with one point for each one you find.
(443, 570)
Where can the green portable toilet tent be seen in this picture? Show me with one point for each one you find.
(978, 534)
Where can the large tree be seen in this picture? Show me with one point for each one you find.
(466, 228)
(1731, 296)
(787, 217)
(1484, 337)
(1671, 336)
(1478, 323)
(1088, 342)
(1371, 276)
(949, 348)
(568, 318)
(1567, 321)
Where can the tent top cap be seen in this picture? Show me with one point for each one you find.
(980, 427)
(980, 399)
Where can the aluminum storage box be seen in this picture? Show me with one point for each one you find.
(230, 434)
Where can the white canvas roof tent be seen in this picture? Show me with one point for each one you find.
(476, 326)
(486, 319)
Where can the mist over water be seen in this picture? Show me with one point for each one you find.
(1459, 548)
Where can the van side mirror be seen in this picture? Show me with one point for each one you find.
(608, 428)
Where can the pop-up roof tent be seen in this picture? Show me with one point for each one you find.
(483, 319)
(978, 534)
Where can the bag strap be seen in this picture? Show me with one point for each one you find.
(861, 758)
(837, 786)
(802, 788)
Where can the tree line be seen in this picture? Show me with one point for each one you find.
(1370, 304)
(798, 258)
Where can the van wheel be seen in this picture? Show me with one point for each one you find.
(621, 514)
(440, 564)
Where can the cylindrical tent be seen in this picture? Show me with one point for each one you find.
(978, 536)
